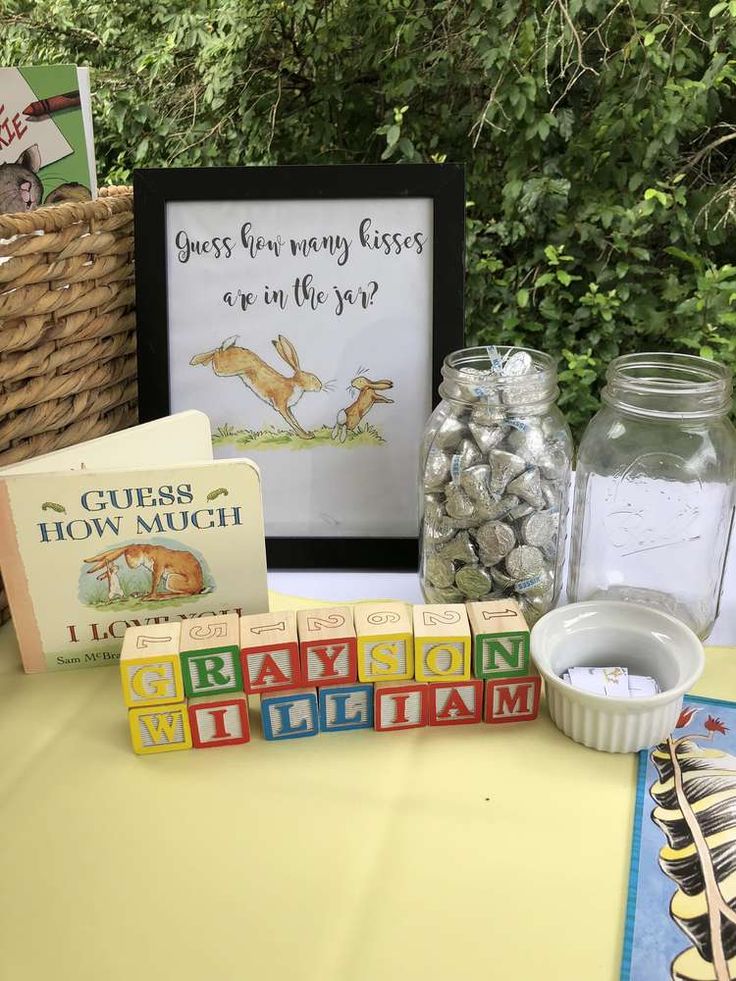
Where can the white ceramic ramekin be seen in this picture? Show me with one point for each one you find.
(606, 634)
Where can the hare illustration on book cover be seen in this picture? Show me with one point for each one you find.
(46, 141)
(87, 552)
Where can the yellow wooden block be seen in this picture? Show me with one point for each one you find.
(385, 641)
(160, 728)
(150, 669)
(441, 642)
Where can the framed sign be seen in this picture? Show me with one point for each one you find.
(307, 311)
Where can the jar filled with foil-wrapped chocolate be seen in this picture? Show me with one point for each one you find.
(495, 473)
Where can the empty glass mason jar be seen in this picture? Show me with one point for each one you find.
(654, 488)
(494, 478)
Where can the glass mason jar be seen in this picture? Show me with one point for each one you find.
(494, 479)
(654, 488)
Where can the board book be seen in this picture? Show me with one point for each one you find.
(135, 528)
(46, 140)
(681, 911)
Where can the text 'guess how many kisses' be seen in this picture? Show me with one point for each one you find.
(304, 291)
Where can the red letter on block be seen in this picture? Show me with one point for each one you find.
(399, 706)
(219, 721)
(332, 663)
(272, 668)
(512, 699)
(457, 703)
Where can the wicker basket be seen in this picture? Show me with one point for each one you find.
(67, 326)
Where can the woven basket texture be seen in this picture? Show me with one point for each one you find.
(67, 326)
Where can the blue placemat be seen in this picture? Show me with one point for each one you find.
(683, 852)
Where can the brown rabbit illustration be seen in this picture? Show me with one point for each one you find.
(275, 389)
(174, 572)
(368, 395)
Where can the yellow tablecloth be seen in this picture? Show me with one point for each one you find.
(484, 853)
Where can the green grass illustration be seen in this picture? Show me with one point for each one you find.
(272, 438)
(130, 604)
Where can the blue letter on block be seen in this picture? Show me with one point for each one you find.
(290, 716)
(345, 707)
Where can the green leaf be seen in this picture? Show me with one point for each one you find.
(522, 297)
(392, 135)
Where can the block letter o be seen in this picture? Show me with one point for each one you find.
(441, 652)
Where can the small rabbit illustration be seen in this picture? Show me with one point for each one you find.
(368, 394)
(273, 388)
(174, 572)
(114, 589)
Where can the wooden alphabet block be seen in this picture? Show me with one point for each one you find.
(344, 707)
(269, 651)
(512, 699)
(400, 705)
(385, 641)
(441, 642)
(500, 639)
(291, 715)
(327, 646)
(219, 720)
(455, 704)
(160, 728)
(210, 655)
(150, 669)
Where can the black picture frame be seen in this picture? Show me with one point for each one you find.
(156, 187)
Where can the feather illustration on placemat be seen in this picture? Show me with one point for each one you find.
(681, 917)
(696, 798)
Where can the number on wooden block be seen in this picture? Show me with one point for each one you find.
(441, 643)
(455, 704)
(512, 699)
(500, 639)
(270, 652)
(290, 716)
(210, 655)
(217, 720)
(150, 669)
(385, 641)
(160, 728)
(327, 646)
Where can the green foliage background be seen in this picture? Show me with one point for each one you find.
(599, 138)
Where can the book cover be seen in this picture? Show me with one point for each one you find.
(682, 885)
(46, 140)
(85, 553)
(178, 438)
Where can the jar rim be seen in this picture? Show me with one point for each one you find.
(474, 372)
(648, 383)
(482, 359)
